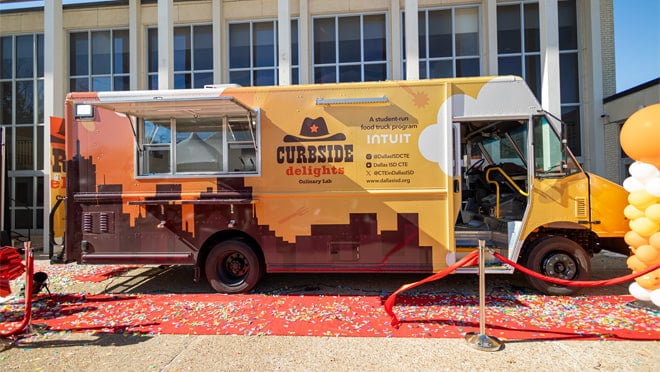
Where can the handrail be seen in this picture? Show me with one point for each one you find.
(497, 187)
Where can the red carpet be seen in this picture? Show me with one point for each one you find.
(508, 317)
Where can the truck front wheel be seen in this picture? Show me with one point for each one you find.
(232, 266)
(561, 258)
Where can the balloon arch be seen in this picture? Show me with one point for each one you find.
(640, 139)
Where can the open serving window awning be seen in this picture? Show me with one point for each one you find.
(159, 107)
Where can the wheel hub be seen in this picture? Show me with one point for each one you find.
(560, 265)
(237, 264)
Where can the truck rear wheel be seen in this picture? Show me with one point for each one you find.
(232, 266)
(561, 258)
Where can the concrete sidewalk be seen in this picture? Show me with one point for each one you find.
(84, 352)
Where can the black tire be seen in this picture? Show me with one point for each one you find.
(561, 258)
(233, 266)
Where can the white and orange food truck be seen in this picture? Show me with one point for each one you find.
(387, 177)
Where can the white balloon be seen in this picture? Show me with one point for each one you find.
(655, 297)
(653, 187)
(632, 184)
(638, 292)
(643, 171)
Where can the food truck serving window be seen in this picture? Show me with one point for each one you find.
(197, 145)
(187, 137)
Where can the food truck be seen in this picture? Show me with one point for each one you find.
(386, 177)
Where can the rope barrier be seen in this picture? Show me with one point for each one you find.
(469, 260)
(473, 258)
(575, 283)
(27, 314)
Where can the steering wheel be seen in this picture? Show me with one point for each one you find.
(474, 167)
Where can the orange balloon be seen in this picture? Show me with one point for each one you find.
(648, 254)
(653, 212)
(635, 264)
(634, 239)
(644, 226)
(641, 199)
(654, 240)
(649, 281)
(631, 212)
(640, 133)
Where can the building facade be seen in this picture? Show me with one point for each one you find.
(563, 48)
(617, 109)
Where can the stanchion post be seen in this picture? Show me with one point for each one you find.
(481, 341)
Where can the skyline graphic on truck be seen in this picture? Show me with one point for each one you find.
(355, 177)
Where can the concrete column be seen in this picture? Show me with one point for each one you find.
(593, 136)
(491, 38)
(304, 49)
(549, 31)
(135, 34)
(395, 40)
(165, 45)
(412, 46)
(54, 87)
(284, 41)
(218, 45)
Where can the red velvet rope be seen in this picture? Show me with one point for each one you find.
(469, 260)
(27, 313)
(473, 259)
(575, 283)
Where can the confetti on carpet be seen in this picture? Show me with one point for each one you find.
(508, 317)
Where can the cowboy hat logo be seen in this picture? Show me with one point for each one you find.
(314, 130)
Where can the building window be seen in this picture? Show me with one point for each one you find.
(99, 60)
(22, 117)
(448, 42)
(569, 69)
(179, 146)
(193, 56)
(518, 43)
(519, 53)
(253, 57)
(350, 48)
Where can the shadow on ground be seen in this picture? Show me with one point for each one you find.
(179, 279)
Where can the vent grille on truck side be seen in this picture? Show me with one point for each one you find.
(580, 207)
(98, 222)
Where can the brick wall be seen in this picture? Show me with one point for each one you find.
(607, 47)
(611, 130)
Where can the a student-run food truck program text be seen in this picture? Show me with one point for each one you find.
(388, 177)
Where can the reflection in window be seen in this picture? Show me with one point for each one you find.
(518, 42)
(448, 42)
(99, 60)
(569, 70)
(193, 56)
(253, 59)
(570, 114)
(551, 157)
(351, 48)
(157, 137)
(22, 115)
(197, 145)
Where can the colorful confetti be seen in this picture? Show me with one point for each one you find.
(511, 314)
(424, 315)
